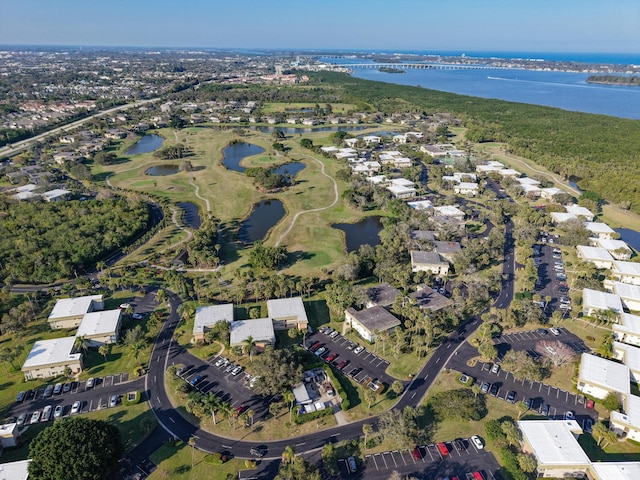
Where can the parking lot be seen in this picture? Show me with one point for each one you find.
(527, 340)
(90, 398)
(551, 275)
(359, 365)
(230, 388)
(426, 461)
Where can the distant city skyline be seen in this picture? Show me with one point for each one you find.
(471, 25)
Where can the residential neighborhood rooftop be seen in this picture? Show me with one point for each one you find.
(46, 352)
(18, 470)
(383, 294)
(71, 307)
(210, 315)
(605, 373)
(96, 323)
(554, 442)
(616, 470)
(260, 329)
(286, 308)
(375, 318)
(601, 300)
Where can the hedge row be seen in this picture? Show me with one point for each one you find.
(340, 388)
(307, 417)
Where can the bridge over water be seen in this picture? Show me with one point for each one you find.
(424, 66)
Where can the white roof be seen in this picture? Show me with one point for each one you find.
(579, 211)
(98, 323)
(29, 187)
(631, 415)
(71, 307)
(260, 329)
(626, 290)
(594, 253)
(616, 470)
(604, 373)
(448, 210)
(212, 314)
(630, 355)
(47, 352)
(554, 442)
(58, 192)
(528, 181)
(628, 323)
(612, 245)
(329, 149)
(420, 204)
(508, 172)
(601, 300)
(626, 268)
(284, 308)
(560, 217)
(553, 190)
(15, 470)
(402, 182)
(529, 188)
(400, 189)
(598, 227)
(23, 195)
(460, 175)
(377, 179)
(468, 186)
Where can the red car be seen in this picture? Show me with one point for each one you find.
(416, 453)
(314, 347)
(443, 449)
(331, 357)
(477, 476)
(239, 410)
(342, 364)
(590, 403)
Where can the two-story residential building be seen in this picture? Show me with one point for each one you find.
(594, 301)
(50, 358)
(288, 313)
(598, 377)
(428, 262)
(627, 330)
(600, 257)
(206, 317)
(100, 328)
(600, 230)
(626, 272)
(370, 322)
(68, 312)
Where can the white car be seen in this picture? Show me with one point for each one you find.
(75, 408)
(236, 370)
(477, 442)
(569, 415)
(46, 413)
(35, 417)
(320, 351)
(554, 330)
(358, 350)
(57, 412)
(220, 362)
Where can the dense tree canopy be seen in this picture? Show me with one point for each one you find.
(42, 242)
(78, 448)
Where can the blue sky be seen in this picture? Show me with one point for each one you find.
(444, 25)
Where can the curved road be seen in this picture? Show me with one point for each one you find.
(166, 349)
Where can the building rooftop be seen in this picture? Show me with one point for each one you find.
(420, 204)
(447, 247)
(419, 257)
(448, 210)
(98, 323)
(427, 298)
(554, 442)
(560, 217)
(528, 181)
(601, 300)
(383, 294)
(605, 373)
(15, 470)
(626, 268)
(611, 245)
(210, 315)
(429, 235)
(71, 307)
(628, 323)
(631, 415)
(402, 182)
(260, 329)
(616, 470)
(598, 227)
(594, 253)
(287, 308)
(628, 354)
(625, 290)
(375, 318)
(48, 352)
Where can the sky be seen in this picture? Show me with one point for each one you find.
(611, 26)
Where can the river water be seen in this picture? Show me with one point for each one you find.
(566, 90)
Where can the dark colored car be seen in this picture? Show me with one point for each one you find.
(459, 444)
(485, 387)
(511, 397)
(494, 389)
(21, 396)
(545, 410)
(196, 380)
(342, 364)
(258, 451)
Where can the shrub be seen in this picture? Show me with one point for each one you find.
(340, 389)
(250, 463)
(215, 458)
(136, 397)
(307, 417)
(589, 338)
(139, 371)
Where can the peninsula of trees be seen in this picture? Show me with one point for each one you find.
(615, 80)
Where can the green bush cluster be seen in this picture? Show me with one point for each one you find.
(135, 401)
(215, 458)
(307, 417)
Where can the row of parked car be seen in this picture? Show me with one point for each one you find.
(50, 390)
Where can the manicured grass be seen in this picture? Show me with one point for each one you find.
(175, 462)
(614, 452)
(283, 107)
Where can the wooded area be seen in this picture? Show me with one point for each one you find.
(42, 242)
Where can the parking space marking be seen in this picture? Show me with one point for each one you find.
(374, 461)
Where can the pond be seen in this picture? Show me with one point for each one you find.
(191, 216)
(264, 216)
(162, 170)
(236, 152)
(289, 169)
(146, 144)
(364, 232)
(630, 236)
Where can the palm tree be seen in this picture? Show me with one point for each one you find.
(366, 429)
(288, 455)
(81, 343)
(249, 345)
(290, 398)
(104, 350)
(136, 349)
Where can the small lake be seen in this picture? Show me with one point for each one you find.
(365, 232)
(146, 144)
(162, 170)
(290, 169)
(264, 216)
(630, 236)
(191, 217)
(235, 153)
